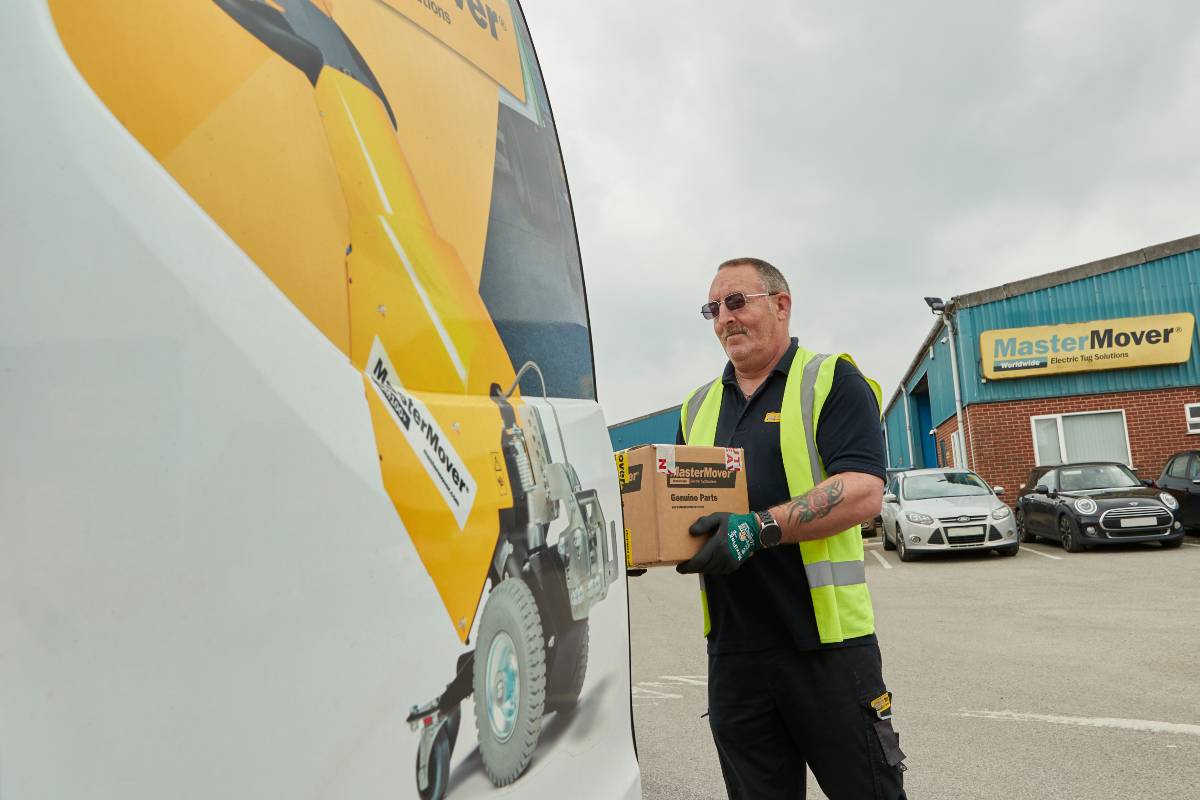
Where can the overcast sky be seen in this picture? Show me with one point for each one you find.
(876, 152)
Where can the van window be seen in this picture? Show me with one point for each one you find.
(532, 279)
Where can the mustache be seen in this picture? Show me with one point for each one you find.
(730, 330)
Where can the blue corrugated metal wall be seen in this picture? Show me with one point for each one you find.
(936, 367)
(657, 428)
(1165, 286)
(899, 449)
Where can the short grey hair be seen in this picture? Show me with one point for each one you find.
(773, 280)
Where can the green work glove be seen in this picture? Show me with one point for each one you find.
(734, 538)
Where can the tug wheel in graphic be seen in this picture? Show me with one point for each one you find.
(569, 668)
(438, 771)
(509, 681)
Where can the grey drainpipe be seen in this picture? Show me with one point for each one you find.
(887, 446)
(958, 415)
(912, 462)
(968, 441)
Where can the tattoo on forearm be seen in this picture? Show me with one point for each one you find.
(816, 504)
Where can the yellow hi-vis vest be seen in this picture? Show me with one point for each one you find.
(834, 565)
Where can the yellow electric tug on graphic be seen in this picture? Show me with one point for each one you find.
(466, 461)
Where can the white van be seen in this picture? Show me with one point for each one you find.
(304, 491)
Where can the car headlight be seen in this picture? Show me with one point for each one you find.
(1169, 501)
(1001, 513)
(1085, 505)
(920, 519)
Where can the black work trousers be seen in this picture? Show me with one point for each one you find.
(774, 711)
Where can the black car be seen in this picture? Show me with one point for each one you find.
(1090, 504)
(1181, 479)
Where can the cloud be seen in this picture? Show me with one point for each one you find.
(875, 152)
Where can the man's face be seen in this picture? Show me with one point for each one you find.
(755, 332)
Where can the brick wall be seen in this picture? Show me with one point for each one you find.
(1001, 436)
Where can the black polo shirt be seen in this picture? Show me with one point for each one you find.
(766, 602)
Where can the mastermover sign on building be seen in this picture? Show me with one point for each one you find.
(1087, 346)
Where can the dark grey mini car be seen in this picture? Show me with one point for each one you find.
(1181, 479)
(1098, 503)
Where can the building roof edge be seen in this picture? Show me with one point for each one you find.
(646, 416)
(1071, 274)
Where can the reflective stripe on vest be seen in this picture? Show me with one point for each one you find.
(702, 404)
(835, 565)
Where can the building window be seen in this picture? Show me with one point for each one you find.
(1088, 436)
(1192, 411)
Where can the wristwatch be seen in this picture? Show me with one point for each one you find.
(769, 534)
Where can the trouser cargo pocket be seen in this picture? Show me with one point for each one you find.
(889, 741)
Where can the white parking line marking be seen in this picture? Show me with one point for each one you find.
(1027, 549)
(685, 680)
(881, 559)
(1191, 544)
(1151, 726)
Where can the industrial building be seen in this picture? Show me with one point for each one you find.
(1094, 362)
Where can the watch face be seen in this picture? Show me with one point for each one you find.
(770, 534)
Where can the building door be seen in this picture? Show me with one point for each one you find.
(924, 428)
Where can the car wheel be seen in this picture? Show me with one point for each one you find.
(1023, 533)
(1171, 544)
(1011, 550)
(1068, 532)
(906, 555)
(888, 544)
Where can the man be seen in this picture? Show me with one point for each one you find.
(795, 675)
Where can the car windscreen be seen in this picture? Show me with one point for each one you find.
(1095, 476)
(949, 484)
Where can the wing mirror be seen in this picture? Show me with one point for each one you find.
(1147, 482)
(999, 490)
(889, 498)
(1044, 489)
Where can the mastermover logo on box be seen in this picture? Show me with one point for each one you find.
(699, 475)
(1087, 346)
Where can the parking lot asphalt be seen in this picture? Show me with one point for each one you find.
(1045, 675)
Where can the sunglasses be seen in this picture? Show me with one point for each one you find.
(732, 302)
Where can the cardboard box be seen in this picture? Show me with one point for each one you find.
(664, 488)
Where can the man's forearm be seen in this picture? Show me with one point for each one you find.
(830, 507)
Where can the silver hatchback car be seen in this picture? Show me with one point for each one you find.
(938, 510)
